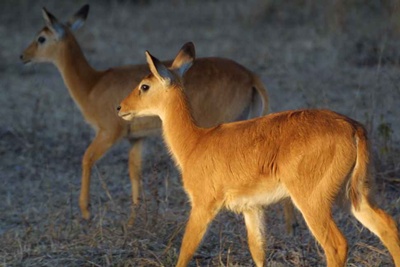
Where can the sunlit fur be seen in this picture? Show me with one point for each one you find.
(220, 90)
(313, 157)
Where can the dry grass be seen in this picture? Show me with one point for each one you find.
(304, 61)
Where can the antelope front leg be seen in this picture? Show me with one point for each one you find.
(135, 164)
(100, 145)
(197, 225)
(254, 220)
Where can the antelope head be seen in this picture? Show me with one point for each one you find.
(150, 96)
(48, 42)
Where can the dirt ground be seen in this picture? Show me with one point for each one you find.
(307, 55)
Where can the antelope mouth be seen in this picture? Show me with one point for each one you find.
(24, 59)
(126, 115)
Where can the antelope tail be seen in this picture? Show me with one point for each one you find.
(260, 101)
(359, 175)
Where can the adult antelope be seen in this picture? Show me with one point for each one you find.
(312, 157)
(220, 90)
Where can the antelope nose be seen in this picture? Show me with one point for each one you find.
(119, 108)
(21, 56)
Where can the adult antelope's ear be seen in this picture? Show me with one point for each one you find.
(161, 72)
(184, 59)
(53, 24)
(79, 18)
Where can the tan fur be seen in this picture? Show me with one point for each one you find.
(220, 90)
(307, 155)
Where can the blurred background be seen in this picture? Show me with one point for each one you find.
(341, 55)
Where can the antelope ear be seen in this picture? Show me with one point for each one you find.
(79, 18)
(53, 24)
(159, 70)
(184, 59)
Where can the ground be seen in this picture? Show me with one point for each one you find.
(306, 54)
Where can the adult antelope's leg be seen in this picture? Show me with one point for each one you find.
(100, 145)
(135, 163)
(381, 224)
(290, 219)
(254, 220)
(200, 217)
(317, 214)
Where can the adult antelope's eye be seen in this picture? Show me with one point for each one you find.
(144, 87)
(41, 40)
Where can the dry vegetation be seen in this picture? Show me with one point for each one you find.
(306, 55)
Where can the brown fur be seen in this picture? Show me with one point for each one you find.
(219, 89)
(308, 156)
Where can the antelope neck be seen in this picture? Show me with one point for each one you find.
(79, 77)
(180, 131)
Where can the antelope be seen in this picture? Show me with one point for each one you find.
(220, 90)
(312, 157)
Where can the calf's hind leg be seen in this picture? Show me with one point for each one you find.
(318, 217)
(381, 224)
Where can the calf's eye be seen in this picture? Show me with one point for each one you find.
(144, 87)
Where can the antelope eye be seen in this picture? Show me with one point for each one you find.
(41, 40)
(144, 87)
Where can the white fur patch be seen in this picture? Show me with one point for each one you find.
(238, 202)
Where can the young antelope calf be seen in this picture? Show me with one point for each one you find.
(310, 156)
